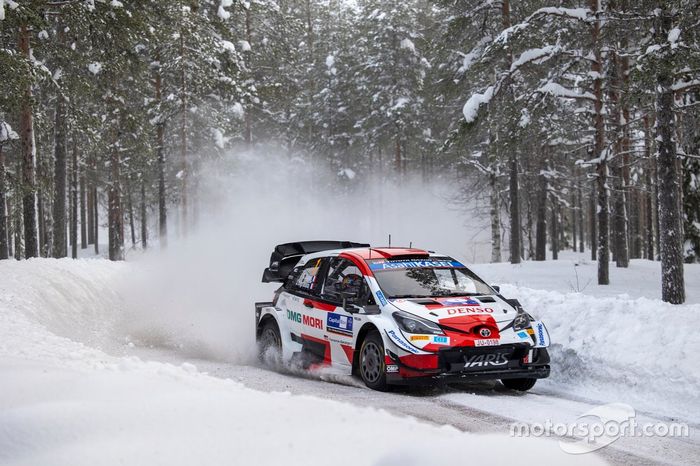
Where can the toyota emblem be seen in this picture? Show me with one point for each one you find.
(484, 332)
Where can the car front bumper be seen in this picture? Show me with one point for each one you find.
(470, 364)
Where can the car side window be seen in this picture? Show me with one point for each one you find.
(343, 278)
(307, 278)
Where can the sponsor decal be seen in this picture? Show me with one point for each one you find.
(485, 360)
(314, 322)
(484, 332)
(413, 264)
(381, 298)
(541, 335)
(420, 337)
(441, 340)
(460, 302)
(469, 310)
(489, 342)
(392, 368)
(401, 342)
(523, 335)
(339, 324)
(304, 319)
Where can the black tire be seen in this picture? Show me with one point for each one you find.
(270, 344)
(371, 364)
(521, 385)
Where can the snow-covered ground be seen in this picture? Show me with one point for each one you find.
(67, 397)
(103, 363)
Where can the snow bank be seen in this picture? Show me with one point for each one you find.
(618, 348)
(64, 402)
(639, 351)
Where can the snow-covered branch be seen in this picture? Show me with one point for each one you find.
(557, 90)
(471, 108)
(10, 4)
(579, 14)
(6, 132)
(684, 86)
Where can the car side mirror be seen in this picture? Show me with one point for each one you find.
(497, 288)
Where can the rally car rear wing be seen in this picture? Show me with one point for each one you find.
(285, 256)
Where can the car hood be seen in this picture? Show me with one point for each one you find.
(458, 311)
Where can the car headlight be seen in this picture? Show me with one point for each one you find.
(412, 324)
(521, 321)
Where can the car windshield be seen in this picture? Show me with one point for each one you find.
(427, 279)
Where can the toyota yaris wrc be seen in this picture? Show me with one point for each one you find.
(395, 316)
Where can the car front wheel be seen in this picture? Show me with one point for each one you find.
(371, 362)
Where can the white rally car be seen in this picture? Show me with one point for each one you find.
(395, 316)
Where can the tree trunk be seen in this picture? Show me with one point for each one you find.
(599, 146)
(114, 204)
(144, 219)
(18, 219)
(574, 220)
(4, 233)
(672, 281)
(130, 206)
(74, 202)
(60, 180)
(83, 213)
(579, 209)
(593, 221)
(9, 224)
(619, 202)
(541, 224)
(160, 155)
(515, 238)
(495, 221)
(555, 230)
(26, 129)
(96, 219)
(183, 136)
(397, 154)
(648, 194)
(44, 237)
(514, 195)
(248, 132)
(90, 182)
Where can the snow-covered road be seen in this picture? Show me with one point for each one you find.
(477, 408)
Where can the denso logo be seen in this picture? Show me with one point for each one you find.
(469, 310)
(484, 360)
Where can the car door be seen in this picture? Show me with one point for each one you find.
(301, 310)
(343, 279)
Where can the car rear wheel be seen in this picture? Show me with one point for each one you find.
(521, 385)
(270, 344)
(372, 368)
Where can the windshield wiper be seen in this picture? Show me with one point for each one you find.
(454, 293)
